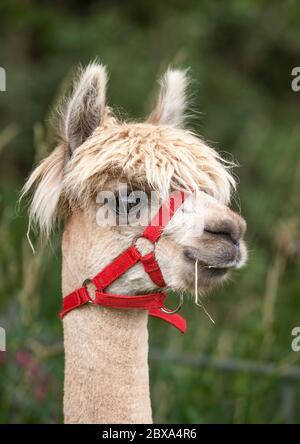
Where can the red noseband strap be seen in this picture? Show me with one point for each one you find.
(153, 302)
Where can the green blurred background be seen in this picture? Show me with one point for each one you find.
(241, 54)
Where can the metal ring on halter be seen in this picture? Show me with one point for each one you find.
(85, 284)
(170, 312)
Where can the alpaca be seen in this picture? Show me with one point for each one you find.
(106, 349)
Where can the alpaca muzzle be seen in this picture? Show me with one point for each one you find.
(153, 302)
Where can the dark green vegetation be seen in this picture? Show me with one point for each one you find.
(241, 54)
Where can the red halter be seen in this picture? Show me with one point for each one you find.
(153, 302)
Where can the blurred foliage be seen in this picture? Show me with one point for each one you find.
(241, 54)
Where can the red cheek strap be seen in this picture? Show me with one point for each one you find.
(152, 268)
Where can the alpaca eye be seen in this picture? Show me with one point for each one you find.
(125, 203)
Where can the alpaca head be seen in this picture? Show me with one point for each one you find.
(105, 170)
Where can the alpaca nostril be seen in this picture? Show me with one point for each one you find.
(224, 235)
(228, 229)
(236, 242)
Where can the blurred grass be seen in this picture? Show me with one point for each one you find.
(241, 55)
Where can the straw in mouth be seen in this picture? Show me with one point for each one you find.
(197, 301)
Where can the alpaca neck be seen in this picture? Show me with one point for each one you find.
(106, 352)
(106, 368)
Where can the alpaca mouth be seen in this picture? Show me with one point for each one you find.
(224, 266)
(214, 267)
(215, 270)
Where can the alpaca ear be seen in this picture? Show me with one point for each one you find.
(83, 113)
(85, 108)
(47, 179)
(171, 101)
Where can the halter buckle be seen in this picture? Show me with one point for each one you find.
(170, 312)
(85, 284)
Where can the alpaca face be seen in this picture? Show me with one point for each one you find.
(98, 153)
(202, 230)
